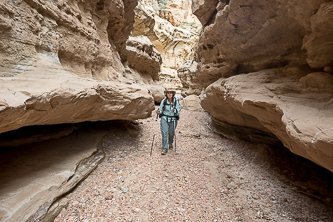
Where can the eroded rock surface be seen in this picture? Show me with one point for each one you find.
(267, 66)
(142, 56)
(173, 30)
(143, 63)
(319, 43)
(46, 94)
(252, 36)
(39, 174)
(61, 63)
(188, 74)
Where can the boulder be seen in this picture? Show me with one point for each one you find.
(157, 92)
(188, 74)
(142, 56)
(192, 102)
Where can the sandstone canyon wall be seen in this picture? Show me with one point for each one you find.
(61, 63)
(172, 28)
(266, 71)
(65, 62)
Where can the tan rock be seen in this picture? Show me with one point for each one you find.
(328, 69)
(60, 65)
(242, 42)
(175, 44)
(143, 65)
(157, 92)
(143, 57)
(61, 62)
(273, 102)
(63, 32)
(167, 15)
(319, 44)
(182, 12)
(188, 74)
(205, 10)
(62, 97)
(245, 37)
(37, 175)
(192, 102)
(319, 81)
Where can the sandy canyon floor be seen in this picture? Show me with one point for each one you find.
(207, 178)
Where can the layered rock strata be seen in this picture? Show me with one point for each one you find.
(267, 70)
(37, 175)
(143, 65)
(166, 29)
(142, 56)
(188, 74)
(47, 95)
(61, 63)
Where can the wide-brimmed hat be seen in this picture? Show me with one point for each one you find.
(169, 88)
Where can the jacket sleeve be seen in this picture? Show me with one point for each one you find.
(178, 107)
(161, 106)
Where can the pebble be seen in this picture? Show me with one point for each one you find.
(110, 197)
(196, 185)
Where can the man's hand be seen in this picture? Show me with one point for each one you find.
(158, 111)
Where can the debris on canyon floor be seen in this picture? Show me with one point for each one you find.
(211, 179)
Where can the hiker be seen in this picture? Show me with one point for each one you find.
(169, 113)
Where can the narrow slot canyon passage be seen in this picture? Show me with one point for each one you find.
(79, 84)
(207, 178)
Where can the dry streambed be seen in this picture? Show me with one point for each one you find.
(209, 178)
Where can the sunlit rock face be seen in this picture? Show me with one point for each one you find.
(188, 74)
(266, 67)
(172, 28)
(143, 65)
(61, 63)
(142, 56)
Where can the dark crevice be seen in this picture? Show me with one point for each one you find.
(100, 5)
(212, 18)
(210, 46)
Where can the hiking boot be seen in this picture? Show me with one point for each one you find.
(170, 146)
(164, 151)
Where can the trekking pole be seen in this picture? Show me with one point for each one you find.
(174, 131)
(174, 128)
(152, 144)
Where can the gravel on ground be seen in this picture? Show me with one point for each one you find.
(207, 178)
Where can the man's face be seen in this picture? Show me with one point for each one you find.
(169, 95)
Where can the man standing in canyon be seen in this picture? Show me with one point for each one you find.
(169, 112)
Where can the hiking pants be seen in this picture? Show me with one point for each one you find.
(167, 130)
